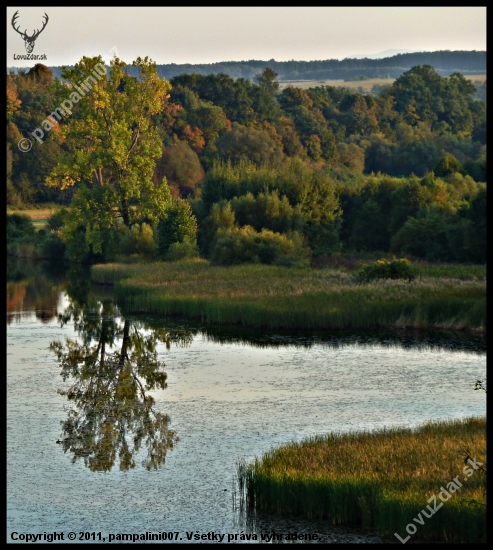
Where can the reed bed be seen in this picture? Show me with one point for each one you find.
(378, 480)
(280, 297)
(452, 271)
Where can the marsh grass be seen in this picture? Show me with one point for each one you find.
(463, 272)
(379, 480)
(279, 297)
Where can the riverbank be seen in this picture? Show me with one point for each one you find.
(381, 480)
(299, 298)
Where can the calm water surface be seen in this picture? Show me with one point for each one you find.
(90, 449)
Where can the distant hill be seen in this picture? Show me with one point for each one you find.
(381, 55)
(445, 62)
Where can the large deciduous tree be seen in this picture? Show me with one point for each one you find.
(113, 146)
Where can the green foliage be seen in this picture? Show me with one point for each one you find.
(138, 240)
(178, 223)
(323, 238)
(424, 236)
(422, 95)
(220, 216)
(436, 234)
(57, 220)
(18, 226)
(24, 241)
(309, 188)
(473, 61)
(476, 169)
(77, 248)
(369, 233)
(385, 269)
(265, 105)
(351, 155)
(111, 147)
(241, 245)
(244, 143)
(474, 215)
(185, 250)
(448, 165)
(293, 160)
(408, 199)
(181, 166)
(267, 211)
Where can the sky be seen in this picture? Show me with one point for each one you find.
(212, 34)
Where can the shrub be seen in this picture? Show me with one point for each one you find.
(180, 251)
(221, 216)
(424, 236)
(178, 224)
(57, 220)
(138, 240)
(385, 269)
(448, 165)
(18, 226)
(236, 246)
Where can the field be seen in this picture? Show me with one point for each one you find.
(280, 297)
(367, 85)
(380, 480)
(38, 216)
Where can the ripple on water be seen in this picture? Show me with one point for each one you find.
(226, 401)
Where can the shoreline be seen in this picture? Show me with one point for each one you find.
(273, 297)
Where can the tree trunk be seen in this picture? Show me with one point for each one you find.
(126, 340)
(125, 213)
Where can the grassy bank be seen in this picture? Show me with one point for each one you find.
(380, 480)
(281, 297)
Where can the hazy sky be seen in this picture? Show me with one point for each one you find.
(210, 34)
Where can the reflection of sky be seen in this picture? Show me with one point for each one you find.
(360, 385)
(226, 401)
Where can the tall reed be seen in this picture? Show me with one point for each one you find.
(280, 297)
(378, 480)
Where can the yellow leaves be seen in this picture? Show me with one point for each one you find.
(61, 181)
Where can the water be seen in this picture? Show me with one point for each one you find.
(230, 394)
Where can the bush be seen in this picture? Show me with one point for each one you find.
(178, 224)
(236, 246)
(138, 240)
(385, 269)
(57, 220)
(181, 251)
(19, 226)
(424, 236)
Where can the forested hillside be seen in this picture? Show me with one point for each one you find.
(444, 62)
(251, 173)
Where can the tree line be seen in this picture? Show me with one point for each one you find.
(445, 62)
(236, 170)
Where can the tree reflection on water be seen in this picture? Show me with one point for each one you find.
(112, 367)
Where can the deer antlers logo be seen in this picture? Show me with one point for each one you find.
(28, 40)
